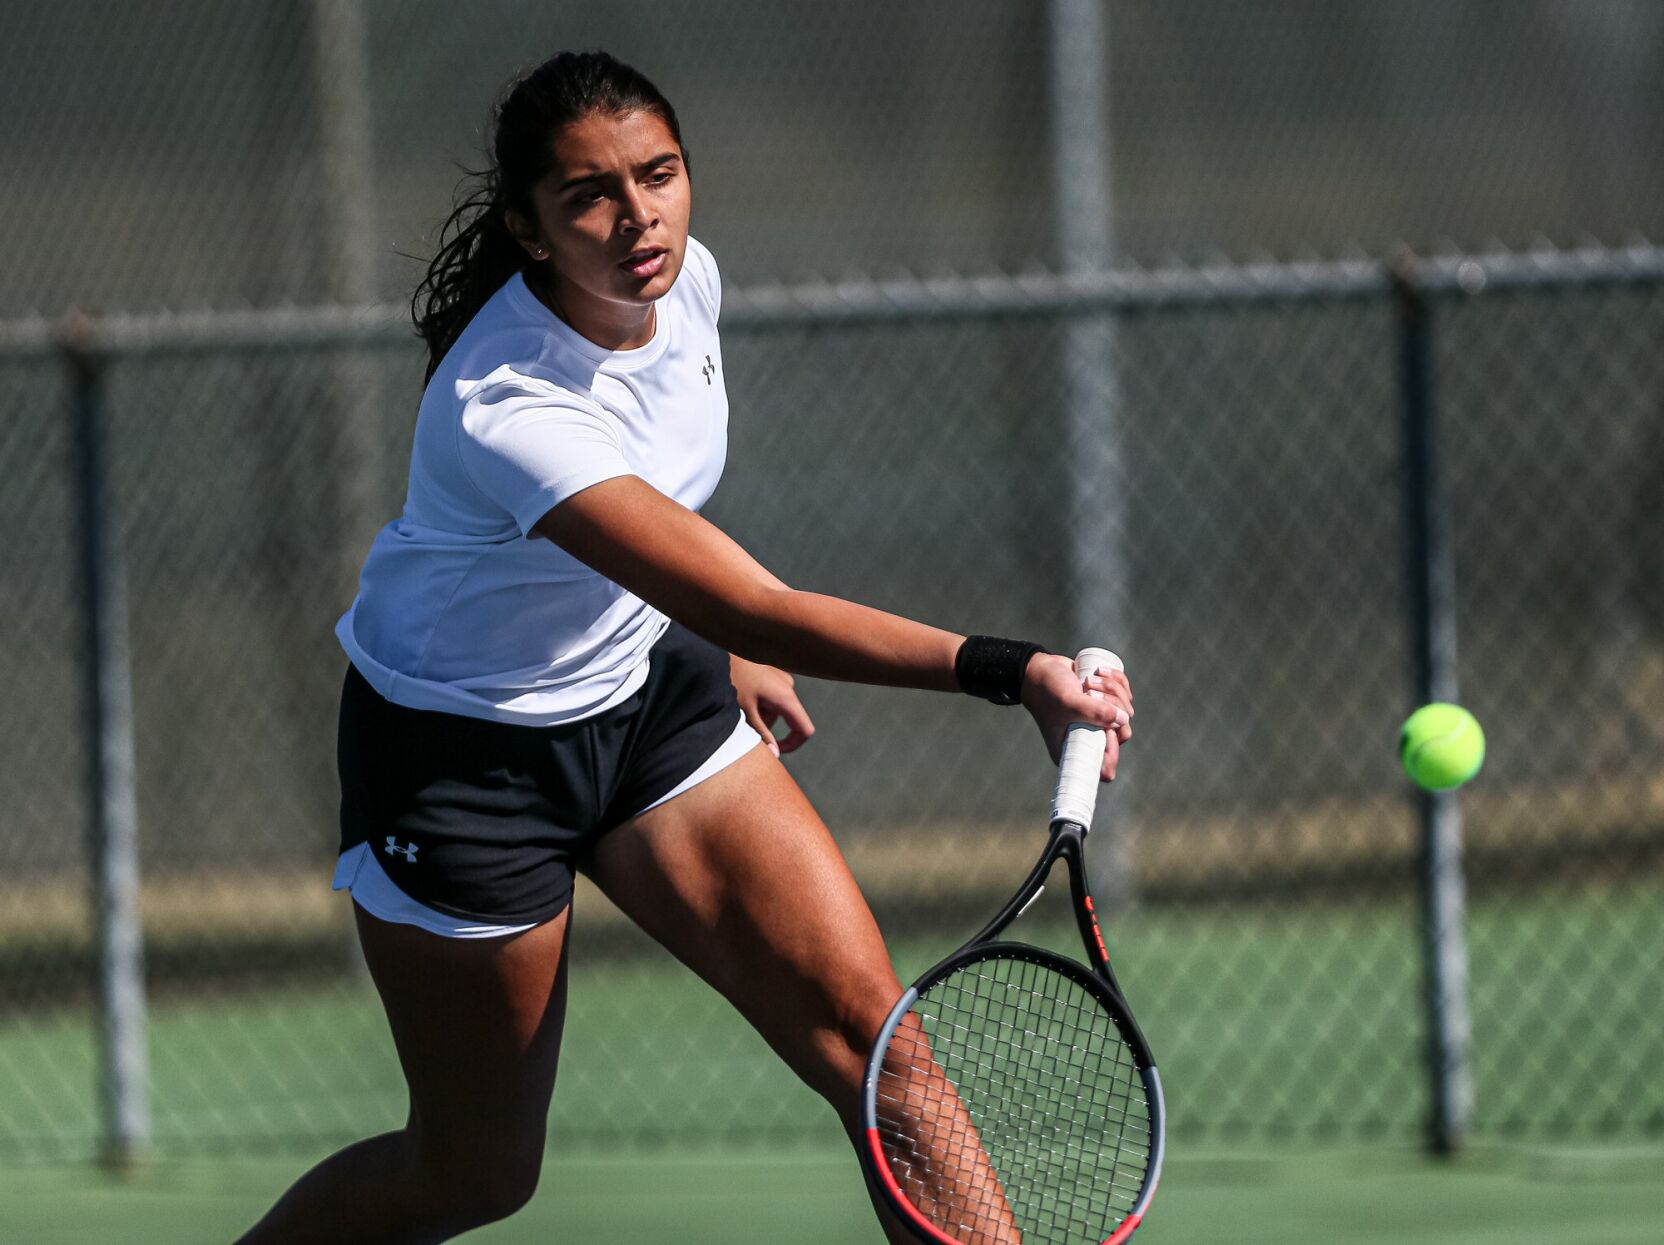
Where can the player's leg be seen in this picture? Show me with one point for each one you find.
(477, 1024)
(739, 878)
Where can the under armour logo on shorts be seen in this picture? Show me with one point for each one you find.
(709, 369)
(393, 849)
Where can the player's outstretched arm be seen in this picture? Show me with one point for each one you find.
(686, 566)
(683, 564)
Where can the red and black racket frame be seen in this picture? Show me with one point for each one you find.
(1068, 842)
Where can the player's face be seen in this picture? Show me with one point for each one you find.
(613, 210)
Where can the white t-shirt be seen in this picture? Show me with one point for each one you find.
(458, 609)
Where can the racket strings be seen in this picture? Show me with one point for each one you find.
(1011, 1109)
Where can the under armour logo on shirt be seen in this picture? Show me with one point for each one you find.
(393, 849)
(709, 369)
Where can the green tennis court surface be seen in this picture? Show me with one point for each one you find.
(813, 1197)
(653, 1054)
(1247, 1046)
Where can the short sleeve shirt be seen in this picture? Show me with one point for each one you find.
(459, 607)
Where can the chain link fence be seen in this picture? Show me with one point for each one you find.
(1232, 441)
(189, 154)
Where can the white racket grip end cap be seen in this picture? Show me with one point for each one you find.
(1083, 752)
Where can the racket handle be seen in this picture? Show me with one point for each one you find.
(1083, 751)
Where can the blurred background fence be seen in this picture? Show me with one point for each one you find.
(904, 444)
(1200, 463)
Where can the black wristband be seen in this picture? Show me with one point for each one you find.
(992, 668)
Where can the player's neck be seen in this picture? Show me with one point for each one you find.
(610, 325)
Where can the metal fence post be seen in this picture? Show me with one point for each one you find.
(1093, 467)
(113, 841)
(1432, 595)
(347, 235)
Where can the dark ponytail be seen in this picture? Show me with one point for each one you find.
(476, 251)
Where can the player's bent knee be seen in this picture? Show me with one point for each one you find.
(844, 1041)
(864, 1013)
(483, 1197)
(483, 1185)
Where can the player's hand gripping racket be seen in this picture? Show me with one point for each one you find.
(1010, 1097)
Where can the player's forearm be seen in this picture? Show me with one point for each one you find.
(681, 564)
(829, 638)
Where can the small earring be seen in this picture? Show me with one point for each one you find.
(539, 253)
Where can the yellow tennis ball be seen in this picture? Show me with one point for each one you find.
(1442, 746)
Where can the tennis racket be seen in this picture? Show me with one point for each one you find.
(1010, 1097)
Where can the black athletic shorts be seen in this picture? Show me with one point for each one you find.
(486, 820)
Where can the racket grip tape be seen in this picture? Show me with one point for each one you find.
(1083, 751)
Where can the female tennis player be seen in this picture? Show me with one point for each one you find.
(556, 664)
